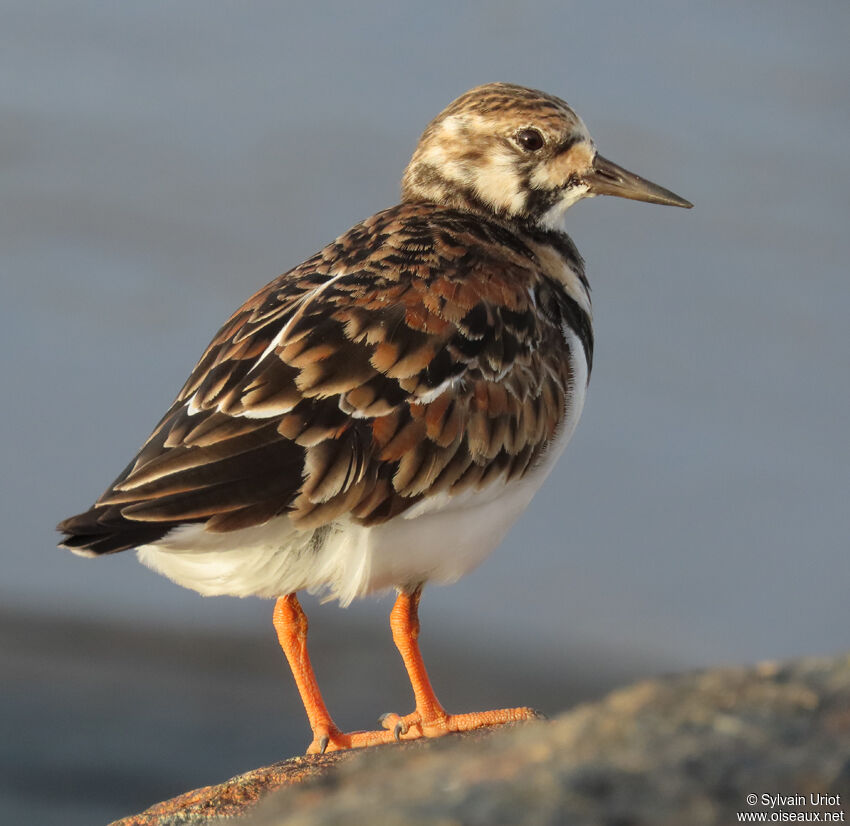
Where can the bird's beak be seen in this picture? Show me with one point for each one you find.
(606, 178)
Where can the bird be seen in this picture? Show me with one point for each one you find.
(377, 417)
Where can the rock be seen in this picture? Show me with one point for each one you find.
(684, 749)
(233, 797)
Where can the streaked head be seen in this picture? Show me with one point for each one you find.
(518, 153)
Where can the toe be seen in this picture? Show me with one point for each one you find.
(396, 724)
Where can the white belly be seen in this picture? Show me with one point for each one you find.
(439, 540)
(350, 560)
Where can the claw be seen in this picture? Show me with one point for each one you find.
(398, 725)
(323, 743)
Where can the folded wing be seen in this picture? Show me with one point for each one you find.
(405, 360)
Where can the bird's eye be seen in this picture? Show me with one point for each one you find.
(529, 139)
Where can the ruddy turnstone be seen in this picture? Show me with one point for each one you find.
(379, 416)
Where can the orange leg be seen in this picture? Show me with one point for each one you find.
(290, 622)
(430, 719)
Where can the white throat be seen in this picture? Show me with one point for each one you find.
(553, 218)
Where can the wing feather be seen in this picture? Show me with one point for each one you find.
(405, 359)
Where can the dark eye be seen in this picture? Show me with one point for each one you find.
(529, 139)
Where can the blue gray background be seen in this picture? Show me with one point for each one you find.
(161, 161)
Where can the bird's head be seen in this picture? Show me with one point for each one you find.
(517, 153)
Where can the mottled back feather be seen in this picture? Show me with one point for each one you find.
(424, 351)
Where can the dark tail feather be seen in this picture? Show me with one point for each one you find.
(102, 530)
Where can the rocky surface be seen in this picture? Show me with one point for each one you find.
(685, 749)
(236, 796)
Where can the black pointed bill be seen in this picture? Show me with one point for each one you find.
(606, 178)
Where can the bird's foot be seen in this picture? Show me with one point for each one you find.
(397, 729)
(439, 723)
(330, 738)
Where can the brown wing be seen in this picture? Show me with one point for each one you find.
(407, 358)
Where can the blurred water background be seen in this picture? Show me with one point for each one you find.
(161, 161)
